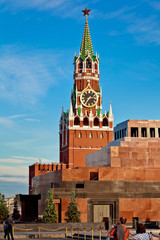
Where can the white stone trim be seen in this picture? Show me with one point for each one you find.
(80, 148)
(90, 129)
(87, 77)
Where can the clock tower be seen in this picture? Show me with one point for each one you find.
(84, 128)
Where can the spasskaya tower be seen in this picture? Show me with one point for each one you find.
(84, 128)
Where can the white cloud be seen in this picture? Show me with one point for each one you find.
(14, 179)
(31, 120)
(11, 160)
(22, 78)
(146, 30)
(144, 27)
(19, 116)
(20, 171)
(43, 160)
(114, 14)
(62, 8)
(23, 159)
(26, 76)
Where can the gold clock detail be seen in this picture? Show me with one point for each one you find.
(89, 98)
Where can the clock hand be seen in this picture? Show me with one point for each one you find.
(88, 100)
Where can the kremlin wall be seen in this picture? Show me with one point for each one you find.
(114, 172)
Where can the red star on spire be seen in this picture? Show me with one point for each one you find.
(86, 11)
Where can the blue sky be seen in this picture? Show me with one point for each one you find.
(38, 40)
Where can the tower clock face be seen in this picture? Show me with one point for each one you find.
(89, 98)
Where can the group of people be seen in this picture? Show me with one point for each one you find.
(120, 232)
(7, 225)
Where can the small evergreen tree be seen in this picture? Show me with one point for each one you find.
(50, 214)
(4, 212)
(72, 213)
(16, 214)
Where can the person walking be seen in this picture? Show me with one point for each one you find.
(120, 232)
(5, 229)
(9, 223)
(141, 233)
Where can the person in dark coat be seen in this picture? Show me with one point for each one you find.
(5, 229)
(9, 223)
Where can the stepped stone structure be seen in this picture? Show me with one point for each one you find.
(122, 179)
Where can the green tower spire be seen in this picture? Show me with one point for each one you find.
(86, 46)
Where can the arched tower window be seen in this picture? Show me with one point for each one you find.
(80, 63)
(105, 122)
(88, 63)
(80, 136)
(76, 121)
(96, 122)
(86, 121)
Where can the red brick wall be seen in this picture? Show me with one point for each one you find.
(75, 156)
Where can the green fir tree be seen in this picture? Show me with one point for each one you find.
(50, 214)
(73, 214)
(4, 212)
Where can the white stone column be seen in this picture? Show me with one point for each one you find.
(156, 132)
(139, 132)
(76, 67)
(148, 132)
(84, 66)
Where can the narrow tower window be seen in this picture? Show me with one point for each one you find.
(101, 135)
(96, 122)
(80, 135)
(105, 122)
(86, 121)
(76, 121)
(134, 132)
(90, 135)
(152, 132)
(144, 132)
(88, 63)
(80, 63)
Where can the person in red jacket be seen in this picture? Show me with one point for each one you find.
(120, 232)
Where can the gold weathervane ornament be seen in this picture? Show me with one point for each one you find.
(86, 11)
